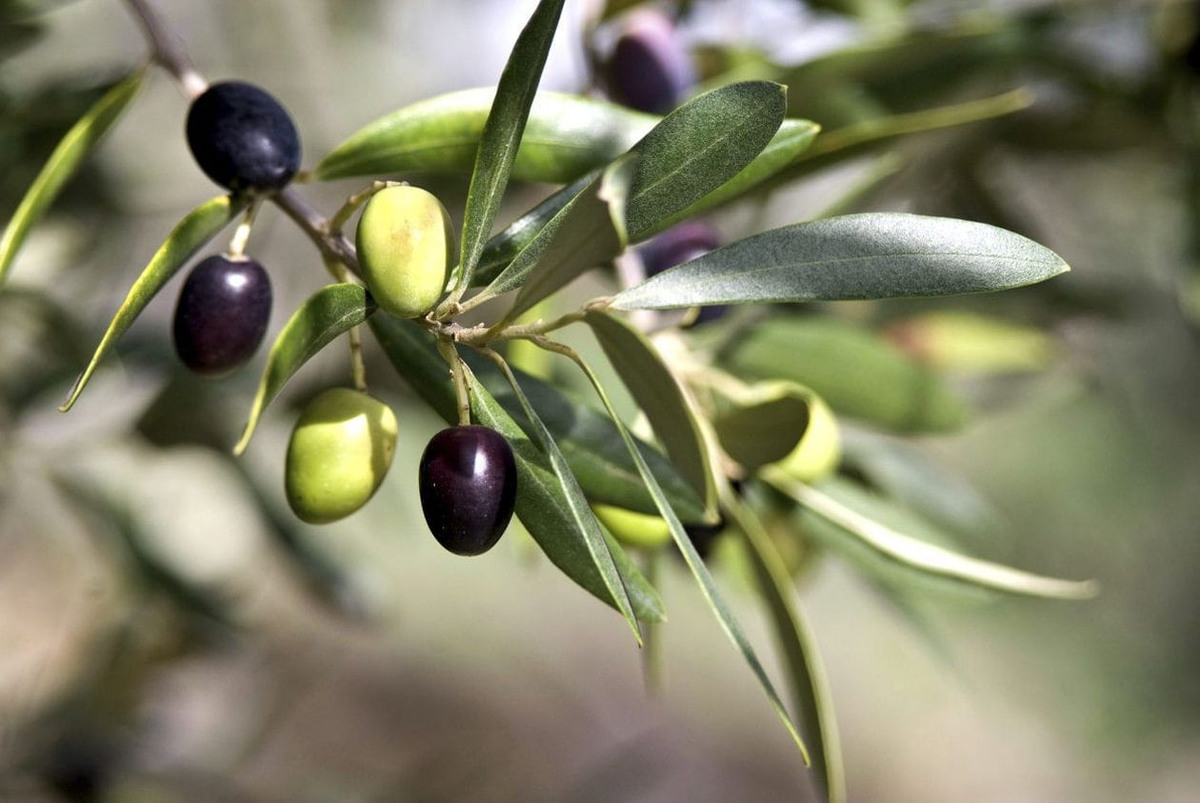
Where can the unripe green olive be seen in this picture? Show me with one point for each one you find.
(784, 424)
(339, 452)
(405, 249)
(632, 528)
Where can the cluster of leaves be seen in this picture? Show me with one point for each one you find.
(626, 177)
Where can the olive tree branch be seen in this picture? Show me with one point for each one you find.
(167, 49)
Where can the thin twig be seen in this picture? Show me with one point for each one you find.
(316, 226)
(168, 50)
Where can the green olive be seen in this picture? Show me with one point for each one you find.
(405, 249)
(632, 528)
(339, 452)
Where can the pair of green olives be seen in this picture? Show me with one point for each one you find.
(406, 249)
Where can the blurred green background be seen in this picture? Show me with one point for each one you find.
(170, 633)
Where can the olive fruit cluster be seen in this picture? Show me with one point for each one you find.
(468, 487)
(405, 247)
(339, 452)
(242, 138)
(222, 314)
(649, 68)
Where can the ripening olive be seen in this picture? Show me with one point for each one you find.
(649, 69)
(632, 528)
(338, 455)
(468, 486)
(242, 137)
(405, 249)
(222, 314)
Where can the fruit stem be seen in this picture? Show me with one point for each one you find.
(450, 354)
(237, 245)
(355, 201)
(358, 368)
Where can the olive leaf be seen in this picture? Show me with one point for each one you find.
(541, 505)
(565, 137)
(790, 142)
(793, 137)
(191, 234)
(502, 249)
(588, 231)
(720, 608)
(581, 515)
(810, 688)
(922, 555)
(326, 314)
(660, 396)
(68, 155)
(695, 150)
(857, 138)
(855, 371)
(698, 148)
(502, 132)
(885, 255)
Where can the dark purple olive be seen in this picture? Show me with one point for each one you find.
(242, 138)
(222, 314)
(678, 244)
(649, 69)
(468, 486)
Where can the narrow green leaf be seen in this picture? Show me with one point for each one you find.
(540, 502)
(503, 248)
(191, 234)
(326, 314)
(694, 562)
(565, 137)
(660, 396)
(855, 139)
(857, 372)
(925, 556)
(699, 147)
(583, 519)
(793, 138)
(502, 132)
(864, 256)
(787, 144)
(64, 161)
(587, 232)
(810, 688)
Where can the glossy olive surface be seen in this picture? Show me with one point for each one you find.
(222, 314)
(405, 248)
(242, 137)
(339, 453)
(468, 486)
(649, 68)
